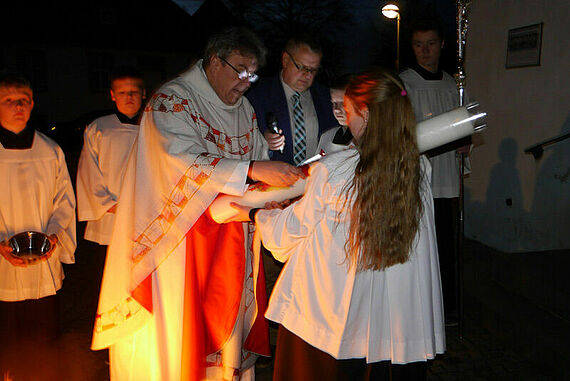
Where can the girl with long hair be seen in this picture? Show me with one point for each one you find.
(359, 296)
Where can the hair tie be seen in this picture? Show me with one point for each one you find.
(403, 93)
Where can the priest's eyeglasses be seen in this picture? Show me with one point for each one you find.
(243, 74)
(303, 68)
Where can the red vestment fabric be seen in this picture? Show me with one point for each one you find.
(214, 278)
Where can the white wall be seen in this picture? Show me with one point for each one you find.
(525, 106)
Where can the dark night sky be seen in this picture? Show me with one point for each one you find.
(376, 35)
(68, 42)
(370, 38)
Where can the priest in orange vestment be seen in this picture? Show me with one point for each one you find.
(182, 297)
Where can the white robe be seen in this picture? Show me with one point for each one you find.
(395, 314)
(191, 146)
(326, 144)
(429, 99)
(36, 195)
(106, 147)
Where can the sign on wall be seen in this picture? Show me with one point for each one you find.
(523, 47)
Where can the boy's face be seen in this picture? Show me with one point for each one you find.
(337, 100)
(16, 104)
(427, 47)
(128, 93)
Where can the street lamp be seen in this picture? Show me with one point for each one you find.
(392, 11)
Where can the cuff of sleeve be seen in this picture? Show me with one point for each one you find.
(235, 184)
(252, 214)
(249, 169)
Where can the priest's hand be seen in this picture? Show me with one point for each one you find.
(6, 252)
(275, 141)
(276, 173)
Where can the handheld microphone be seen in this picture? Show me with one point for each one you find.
(271, 121)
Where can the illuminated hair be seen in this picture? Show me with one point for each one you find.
(14, 80)
(239, 39)
(387, 207)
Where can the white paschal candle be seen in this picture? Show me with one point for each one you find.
(449, 127)
(255, 196)
(442, 129)
(432, 133)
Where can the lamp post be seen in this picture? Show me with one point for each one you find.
(392, 11)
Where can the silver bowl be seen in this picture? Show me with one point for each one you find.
(30, 245)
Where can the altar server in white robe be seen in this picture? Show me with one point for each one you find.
(432, 92)
(107, 143)
(337, 138)
(36, 195)
(182, 297)
(359, 296)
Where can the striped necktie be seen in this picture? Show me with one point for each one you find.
(299, 138)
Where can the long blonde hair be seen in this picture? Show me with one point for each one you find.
(387, 208)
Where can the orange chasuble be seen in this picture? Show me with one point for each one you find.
(214, 278)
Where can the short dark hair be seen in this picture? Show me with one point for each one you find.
(124, 72)
(427, 24)
(14, 80)
(341, 82)
(238, 39)
(304, 38)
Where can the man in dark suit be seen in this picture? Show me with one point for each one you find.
(301, 107)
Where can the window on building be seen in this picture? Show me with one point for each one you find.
(108, 16)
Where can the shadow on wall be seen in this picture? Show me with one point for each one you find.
(550, 212)
(502, 222)
(496, 221)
